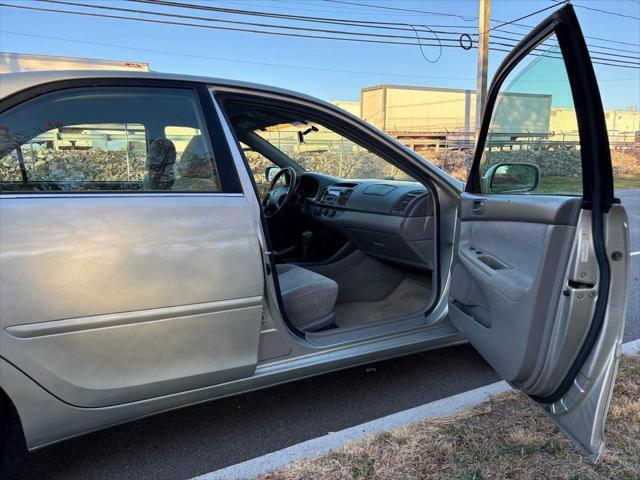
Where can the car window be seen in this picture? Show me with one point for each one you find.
(107, 138)
(80, 155)
(258, 165)
(534, 122)
(320, 149)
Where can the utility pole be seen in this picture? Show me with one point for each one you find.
(483, 59)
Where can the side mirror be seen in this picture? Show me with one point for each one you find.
(270, 173)
(511, 178)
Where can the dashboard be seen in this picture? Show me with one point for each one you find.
(392, 220)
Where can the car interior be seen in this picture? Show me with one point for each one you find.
(350, 251)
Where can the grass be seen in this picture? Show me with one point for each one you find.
(505, 437)
(573, 185)
(626, 181)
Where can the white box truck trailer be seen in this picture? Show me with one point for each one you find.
(23, 62)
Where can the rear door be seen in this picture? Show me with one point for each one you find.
(129, 262)
(539, 283)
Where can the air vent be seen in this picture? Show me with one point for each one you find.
(344, 197)
(325, 196)
(337, 194)
(401, 206)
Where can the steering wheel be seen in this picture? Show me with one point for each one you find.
(277, 198)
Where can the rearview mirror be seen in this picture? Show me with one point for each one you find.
(511, 178)
(270, 173)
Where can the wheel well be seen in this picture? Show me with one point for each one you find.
(10, 413)
(6, 405)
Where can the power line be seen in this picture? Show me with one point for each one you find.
(212, 27)
(591, 46)
(527, 16)
(252, 62)
(593, 57)
(409, 10)
(350, 22)
(233, 60)
(607, 12)
(493, 20)
(548, 8)
(601, 39)
(285, 4)
(287, 16)
(340, 32)
(617, 63)
(599, 10)
(255, 24)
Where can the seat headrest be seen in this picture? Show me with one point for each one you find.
(196, 160)
(160, 163)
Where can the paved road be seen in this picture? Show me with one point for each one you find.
(631, 201)
(196, 440)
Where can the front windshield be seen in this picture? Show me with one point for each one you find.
(316, 148)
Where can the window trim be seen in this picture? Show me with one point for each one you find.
(227, 173)
(597, 173)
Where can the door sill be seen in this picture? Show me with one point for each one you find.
(337, 336)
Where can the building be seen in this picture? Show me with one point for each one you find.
(433, 117)
(623, 125)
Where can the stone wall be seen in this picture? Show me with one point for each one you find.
(561, 163)
(74, 165)
(100, 165)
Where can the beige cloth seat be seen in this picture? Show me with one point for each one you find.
(195, 170)
(309, 298)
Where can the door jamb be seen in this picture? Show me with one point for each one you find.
(221, 94)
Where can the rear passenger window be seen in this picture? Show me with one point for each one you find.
(107, 138)
(80, 157)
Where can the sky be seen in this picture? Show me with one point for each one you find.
(324, 68)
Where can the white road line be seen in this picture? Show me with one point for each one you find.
(332, 441)
(632, 347)
(633, 254)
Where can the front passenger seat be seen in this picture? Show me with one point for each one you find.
(196, 168)
(309, 298)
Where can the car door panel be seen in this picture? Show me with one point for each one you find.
(538, 284)
(124, 297)
(496, 300)
(110, 299)
(130, 267)
(546, 209)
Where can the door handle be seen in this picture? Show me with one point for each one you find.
(478, 206)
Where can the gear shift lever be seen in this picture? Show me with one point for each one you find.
(307, 236)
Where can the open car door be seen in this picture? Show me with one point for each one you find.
(539, 282)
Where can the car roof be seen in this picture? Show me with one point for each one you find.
(11, 83)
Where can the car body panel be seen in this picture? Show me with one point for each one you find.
(46, 419)
(116, 298)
